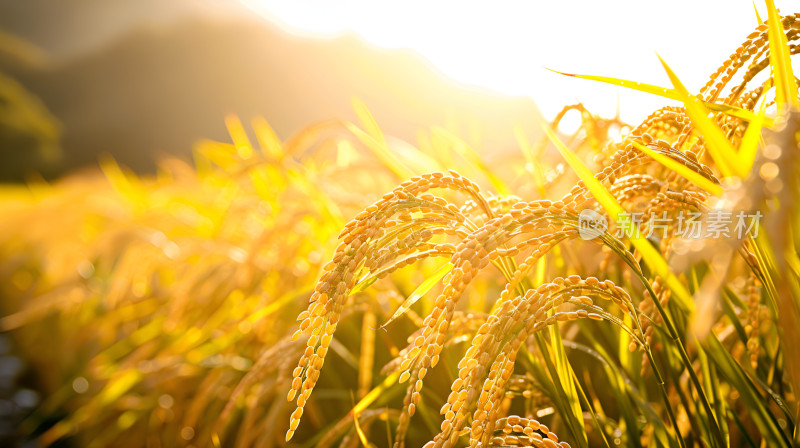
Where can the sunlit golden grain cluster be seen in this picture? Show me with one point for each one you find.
(514, 239)
(160, 312)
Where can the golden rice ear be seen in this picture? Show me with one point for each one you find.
(363, 249)
(165, 301)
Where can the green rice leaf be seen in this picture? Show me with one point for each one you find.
(566, 375)
(555, 390)
(754, 403)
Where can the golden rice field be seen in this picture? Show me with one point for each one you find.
(334, 289)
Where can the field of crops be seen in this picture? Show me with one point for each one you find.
(625, 284)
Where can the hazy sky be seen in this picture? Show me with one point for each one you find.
(504, 45)
(501, 45)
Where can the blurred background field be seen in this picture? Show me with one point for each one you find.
(145, 80)
(175, 178)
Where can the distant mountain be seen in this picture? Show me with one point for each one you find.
(157, 90)
(65, 28)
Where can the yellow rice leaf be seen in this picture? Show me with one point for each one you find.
(780, 60)
(565, 374)
(684, 171)
(368, 280)
(718, 146)
(119, 385)
(239, 137)
(438, 147)
(346, 153)
(748, 149)
(367, 358)
(382, 152)
(267, 139)
(375, 393)
(368, 121)
(524, 144)
(758, 16)
(125, 185)
(368, 399)
(664, 92)
(298, 143)
(413, 156)
(466, 151)
(421, 290)
(639, 86)
(540, 274)
(220, 154)
(585, 174)
(530, 158)
(361, 436)
(416, 158)
(650, 255)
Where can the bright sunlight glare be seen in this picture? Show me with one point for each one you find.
(506, 45)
